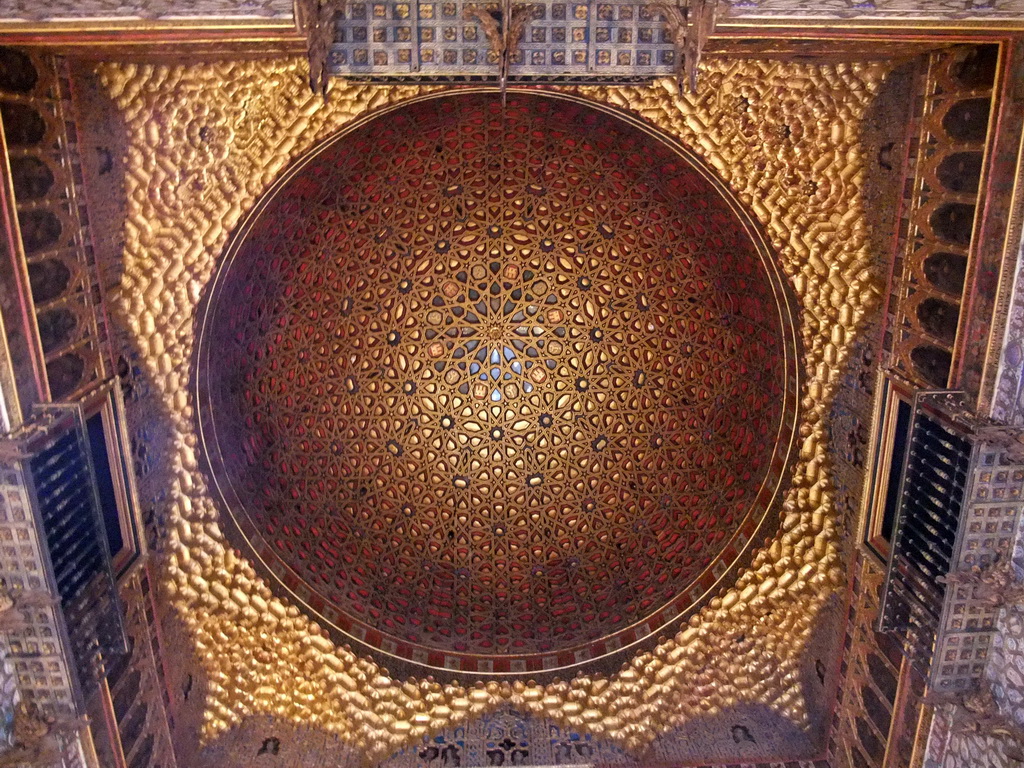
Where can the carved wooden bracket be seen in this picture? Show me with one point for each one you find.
(690, 25)
(995, 585)
(315, 19)
(35, 738)
(504, 29)
(980, 714)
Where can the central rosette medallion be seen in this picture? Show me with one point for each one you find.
(499, 393)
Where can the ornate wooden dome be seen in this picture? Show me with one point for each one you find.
(496, 391)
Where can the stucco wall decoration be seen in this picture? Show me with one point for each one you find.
(207, 141)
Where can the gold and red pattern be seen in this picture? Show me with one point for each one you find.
(495, 391)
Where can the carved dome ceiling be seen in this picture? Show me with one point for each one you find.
(496, 392)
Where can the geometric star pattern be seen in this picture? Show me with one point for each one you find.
(495, 383)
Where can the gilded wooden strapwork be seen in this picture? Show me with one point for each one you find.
(506, 390)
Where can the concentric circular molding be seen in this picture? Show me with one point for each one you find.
(497, 392)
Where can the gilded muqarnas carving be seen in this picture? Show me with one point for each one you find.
(207, 140)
